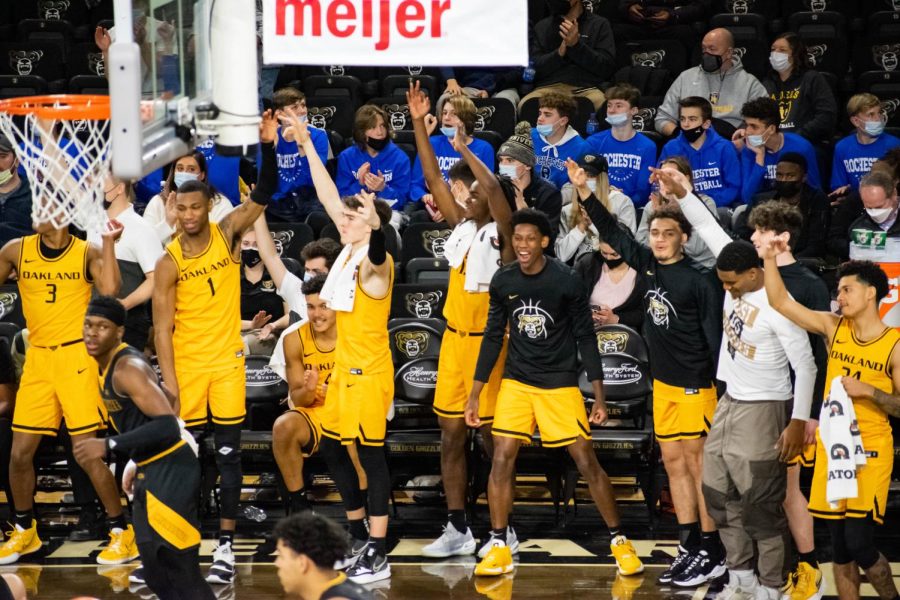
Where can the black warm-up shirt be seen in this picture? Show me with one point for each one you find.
(549, 319)
(683, 305)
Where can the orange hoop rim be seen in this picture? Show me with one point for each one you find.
(65, 107)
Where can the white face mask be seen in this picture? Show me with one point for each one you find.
(510, 171)
(307, 275)
(880, 215)
(6, 175)
(780, 61)
(592, 185)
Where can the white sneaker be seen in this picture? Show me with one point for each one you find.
(767, 593)
(739, 588)
(451, 543)
(222, 569)
(511, 540)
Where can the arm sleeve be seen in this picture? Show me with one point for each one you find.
(492, 341)
(447, 73)
(546, 60)
(824, 111)
(567, 242)
(626, 213)
(631, 312)
(267, 182)
(704, 223)
(598, 58)
(583, 328)
(157, 432)
(753, 175)
(377, 253)
(757, 89)
(795, 343)
(730, 172)
(636, 255)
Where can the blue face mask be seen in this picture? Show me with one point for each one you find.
(307, 275)
(180, 178)
(617, 120)
(545, 130)
(755, 140)
(874, 128)
(450, 132)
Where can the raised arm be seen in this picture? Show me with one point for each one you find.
(326, 190)
(103, 266)
(267, 252)
(419, 107)
(818, 322)
(674, 185)
(376, 270)
(164, 323)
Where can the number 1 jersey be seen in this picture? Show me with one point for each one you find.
(207, 333)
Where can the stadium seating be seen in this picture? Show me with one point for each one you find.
(290, 238)
(424, 240)
(418, 300)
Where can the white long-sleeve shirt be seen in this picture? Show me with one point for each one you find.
(573, 242)
(758, 342)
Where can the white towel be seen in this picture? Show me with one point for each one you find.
(483, 248)
(339, 290)
(839, 431)
(278, 363)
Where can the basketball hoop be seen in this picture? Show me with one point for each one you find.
(62, 144)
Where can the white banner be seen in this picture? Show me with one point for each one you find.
(395, 32)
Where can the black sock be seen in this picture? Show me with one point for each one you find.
(711, 542)
(810, 558)
(358, 528)
(500, 534)
(116, 522)
(689, 536)
(297, 502)
(613, 532)
(380, 545)
(458, 520)
(24, 519)
(226, 537)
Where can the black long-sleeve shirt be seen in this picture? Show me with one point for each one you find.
(585, 64)
(683, 325)
(549, 318)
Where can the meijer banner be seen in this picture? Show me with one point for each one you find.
(395, 32)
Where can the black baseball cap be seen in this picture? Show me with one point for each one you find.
(5, 144)
(594, 164)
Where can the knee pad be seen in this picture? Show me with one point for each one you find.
(859, 537)
(840, 554)
(227, 440)
(374, 462)
(343, 473)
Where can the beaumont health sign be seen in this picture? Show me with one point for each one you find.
(395, 32)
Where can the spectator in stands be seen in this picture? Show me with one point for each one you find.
(715, 166)
(160, 211)
(804, 98)
(374, 163)
(694, 248)
(15, 195)
(875, 235)
(224, 171)
(295, 200)
(850, 208)
(630, 154)
(554, 138)
(516, 158)
(765, 145)
(577, 235)
(260, 302)
(457, 110)
(136, 252)
(791, 187)
(720, 78)
(854, 155)
(479, 82)
(616, 292)
(573, 51)
(661, 19)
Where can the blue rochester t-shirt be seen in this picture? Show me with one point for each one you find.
(446, 158)
(629, 162)
(852, 160)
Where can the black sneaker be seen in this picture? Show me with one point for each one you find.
(137, 576)
(679, 564)
(370, 567)
(356, 551)
(701, 569)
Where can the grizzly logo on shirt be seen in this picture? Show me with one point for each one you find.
(531, 320)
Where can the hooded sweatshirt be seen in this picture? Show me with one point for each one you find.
(550, 159)
(393, 164)
(715, 167)
(585, 64)
(806, 103)
(629, 162)
(759, 179)
(446, 158)
(727, 93)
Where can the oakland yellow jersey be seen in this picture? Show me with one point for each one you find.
(869, 362)
(362, 333)
(465, 311)
(207, 333)
(55, 291)
(314, 356)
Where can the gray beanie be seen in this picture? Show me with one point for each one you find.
(519, 146)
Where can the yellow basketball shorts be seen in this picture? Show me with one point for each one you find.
(807, 458)
(217, 395)
(456, 371)
(682, 413)
(59, 384)
(873, 481)
(356, 407)
(313, 418)
(558, 413)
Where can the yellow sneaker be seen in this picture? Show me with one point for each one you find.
(29, 574)
(495, 588)
(121, 548)
(808, 583)
(626, 556)
(19, 542)
(624, 587)
(117, 575)
(497, 561)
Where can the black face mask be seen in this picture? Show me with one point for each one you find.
(711, 62)
(377, 145)
(692, 135)
(559, 7)
(612, 263)
(788, 189)
(250, 258)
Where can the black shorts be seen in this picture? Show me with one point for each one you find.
(166, 496)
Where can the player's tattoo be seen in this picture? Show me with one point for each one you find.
(879, 576)
(889, 403)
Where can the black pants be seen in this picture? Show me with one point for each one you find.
(174, 575)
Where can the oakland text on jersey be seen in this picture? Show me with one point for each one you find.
(859, 361)
(206, 270)
(43, 275)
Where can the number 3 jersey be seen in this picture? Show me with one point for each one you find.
(207, 333)
(55, 291)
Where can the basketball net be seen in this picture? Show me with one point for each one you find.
(62, 144)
